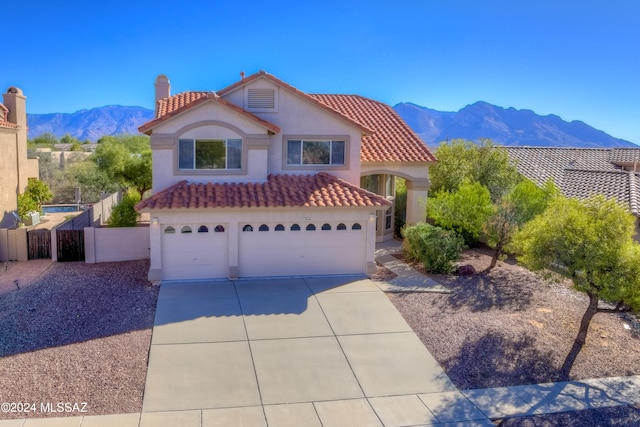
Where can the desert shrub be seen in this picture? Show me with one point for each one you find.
(401, 206)
(434, 247)
(124, 213)
(464, 210)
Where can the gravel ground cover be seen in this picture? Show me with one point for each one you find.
(79, 334)
(511, 327)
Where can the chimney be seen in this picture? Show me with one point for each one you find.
(16, 103)
(163, 87)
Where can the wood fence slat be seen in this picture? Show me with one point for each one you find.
(70, 245)
(39, 244)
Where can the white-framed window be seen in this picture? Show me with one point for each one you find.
(209, 154)
(315, 152)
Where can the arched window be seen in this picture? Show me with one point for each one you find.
(341, 226)
(247, 228)
(311, 227)
(219, 229)
(186, 229)
(169, 230)
(326, 227)
(279, 227)
(263, 227)
(295, 227)
(356, 226)
(203, 229)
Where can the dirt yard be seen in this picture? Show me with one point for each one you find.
(511, 327)
(79, 334)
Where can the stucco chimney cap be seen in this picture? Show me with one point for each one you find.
(162, 79)
(15, 90)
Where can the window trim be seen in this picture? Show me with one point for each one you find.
(194, 142)
(341, 138)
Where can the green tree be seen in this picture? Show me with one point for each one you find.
(36, 193)
(400, 206)
(92, 181)
(592, 243)
(46, 140)
(523, 203)
(124, 213)
(126, 160)
(68, 139)
(463, 160)
(464, 210)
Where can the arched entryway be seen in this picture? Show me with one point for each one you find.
(384, 180)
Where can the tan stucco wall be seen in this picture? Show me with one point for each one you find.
(297, 116)
(15, 167)
(9, 168)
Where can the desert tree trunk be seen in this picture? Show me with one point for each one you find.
(581, 338)
(497, 253)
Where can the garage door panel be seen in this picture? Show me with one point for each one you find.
(280, 253)
(196, 255)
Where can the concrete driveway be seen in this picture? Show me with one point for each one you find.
(330, 351)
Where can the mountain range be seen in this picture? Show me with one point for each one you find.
(90, 124)
(505, 126)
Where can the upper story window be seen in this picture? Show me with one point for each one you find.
(315, 152)
(210, 154)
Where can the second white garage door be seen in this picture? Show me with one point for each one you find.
(301, 249)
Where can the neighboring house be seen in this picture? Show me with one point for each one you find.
(582, 172)
(262, 179)
(15, 167)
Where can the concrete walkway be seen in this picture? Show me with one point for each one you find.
(315, 351)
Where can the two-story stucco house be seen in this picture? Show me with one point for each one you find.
(16, 168)
(262, 179)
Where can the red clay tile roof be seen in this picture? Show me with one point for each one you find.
(291, 191)
(387, 137)
(3, 118)
(176, 104)
(392, 140)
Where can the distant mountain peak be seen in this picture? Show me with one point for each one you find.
(505, 126)
(90, 124)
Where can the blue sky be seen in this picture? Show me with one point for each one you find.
(577, 59)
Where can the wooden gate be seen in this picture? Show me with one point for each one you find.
(70, 245)
(39, 244)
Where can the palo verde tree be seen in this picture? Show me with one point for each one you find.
(591, 242)
(462, 160)
(523, 203)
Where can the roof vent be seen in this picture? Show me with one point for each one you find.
(261, 99)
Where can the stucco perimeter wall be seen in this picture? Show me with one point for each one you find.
(13, 244)
(116, 244)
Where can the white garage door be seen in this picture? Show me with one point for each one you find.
(194, 251)
(301, 249)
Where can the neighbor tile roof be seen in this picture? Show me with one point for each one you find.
(176, 104)
(621, 185)
(582, 172)
(292, 191)
(3, 118)
(392, 140)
